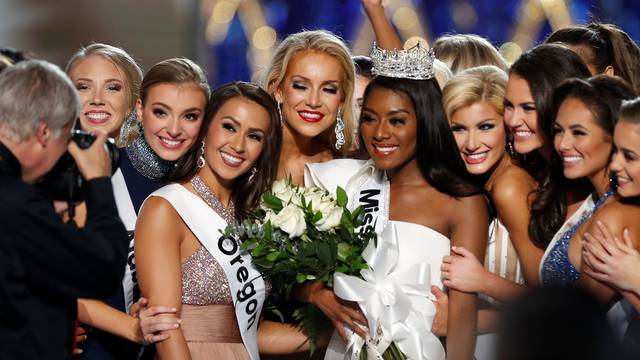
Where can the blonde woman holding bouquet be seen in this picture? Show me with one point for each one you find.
(416, 196)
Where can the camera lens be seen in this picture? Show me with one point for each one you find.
(64, 182)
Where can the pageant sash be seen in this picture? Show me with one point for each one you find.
(364, 184)
(128, 217)
(245, 281)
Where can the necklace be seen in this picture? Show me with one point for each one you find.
(146, 161)
(227, 213)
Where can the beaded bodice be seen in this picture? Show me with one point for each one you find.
(203, 280)
(556, 268)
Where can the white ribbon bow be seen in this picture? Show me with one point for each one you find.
(394, 300)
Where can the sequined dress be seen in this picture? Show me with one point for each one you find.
(208, 318)
(555, 267)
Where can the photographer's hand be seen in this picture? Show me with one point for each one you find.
(94, 161)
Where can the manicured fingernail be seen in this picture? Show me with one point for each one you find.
(179, 321)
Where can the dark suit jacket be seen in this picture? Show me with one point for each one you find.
(45, 265)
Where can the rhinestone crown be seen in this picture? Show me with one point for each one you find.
(415, 63)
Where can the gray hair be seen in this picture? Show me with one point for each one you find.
(35, 91)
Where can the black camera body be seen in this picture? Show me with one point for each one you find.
(64, 182)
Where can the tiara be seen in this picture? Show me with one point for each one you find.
(415, 63)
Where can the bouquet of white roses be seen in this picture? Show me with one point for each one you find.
(300, 234)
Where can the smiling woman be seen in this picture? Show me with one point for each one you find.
(182, 259)
(171, 108)
(108, 81)
(311, 76)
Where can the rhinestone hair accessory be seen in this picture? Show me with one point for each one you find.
(415, 63)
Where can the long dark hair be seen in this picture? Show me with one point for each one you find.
(544, 67)
(436, 149)
(246, 192)
(603, 45)
(603, 96)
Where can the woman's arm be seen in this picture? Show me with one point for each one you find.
(148, 328)
(602, 290)
(469, 229)
(386, 35)
(510, 195)
(462, 271)
(159, 233)
(341, 313)
(487, 318)
(276, 338)
(611, 260)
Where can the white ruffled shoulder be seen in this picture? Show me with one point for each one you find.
(331, 174)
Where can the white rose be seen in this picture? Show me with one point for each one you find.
(279, 186)
(291, 220)
(285, 192)
(330, 218)
(315, 199)
(269, 215)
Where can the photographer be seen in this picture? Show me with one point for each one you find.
(45, 265)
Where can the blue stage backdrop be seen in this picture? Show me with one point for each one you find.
(240, 35)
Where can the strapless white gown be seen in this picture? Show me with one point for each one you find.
(417, 247)
(416, 244)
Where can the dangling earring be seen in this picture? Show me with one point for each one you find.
(510, 149)
(130, 126)
(338, 130)
(201, 160)
(280, 113)
(254, 171)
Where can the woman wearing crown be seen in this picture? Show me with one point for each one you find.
(419, 202)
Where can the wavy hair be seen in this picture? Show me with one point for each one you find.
(603, 95)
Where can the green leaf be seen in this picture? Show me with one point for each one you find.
(342, 198)
(323, 250)
(267, 231)
(272, 201)
(317, 217)
(357, 216)
(273, 256)
(300, 278)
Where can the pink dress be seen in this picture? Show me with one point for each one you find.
(208, 317)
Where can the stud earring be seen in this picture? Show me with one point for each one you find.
(201, 161)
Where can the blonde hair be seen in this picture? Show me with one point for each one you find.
(442, 73)
(120, 58)
(327, 43)
(485, 84)
(464, 51)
